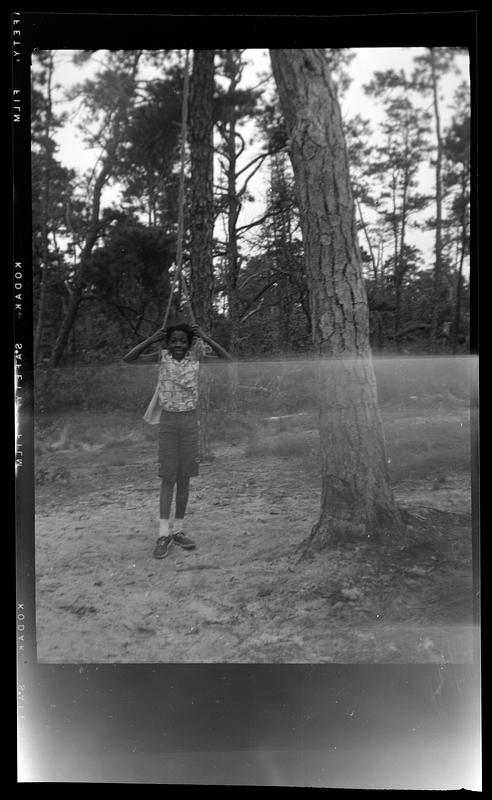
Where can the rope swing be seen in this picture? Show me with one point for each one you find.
(181, 200)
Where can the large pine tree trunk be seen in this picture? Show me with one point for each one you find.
(356, 499)
(202, 216)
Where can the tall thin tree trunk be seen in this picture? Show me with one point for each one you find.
(202, 216)
(459, 283)
(457, 311)
(396, 264)
(201, 194)
(356, 497)
(232, 245)
(233, 311)
(232, 270)
(284, 235)
(369, 245)
(398, 296)
(38, 335)
(436, 299)
(400, 267)
(396, 257)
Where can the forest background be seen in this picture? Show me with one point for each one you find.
(105, 175)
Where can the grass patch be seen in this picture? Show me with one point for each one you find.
(117, 444)
(230, 427)
(417, 448)
(280, 387)
(432, 447)
(89, 429)
(283, 445)
(303, 421)
(116, 459)
(424, 381)
(418, 445)
(102, 388)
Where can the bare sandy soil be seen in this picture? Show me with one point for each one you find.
(243, 595)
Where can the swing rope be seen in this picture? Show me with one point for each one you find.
(181, 200)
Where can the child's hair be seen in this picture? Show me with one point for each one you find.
(180, 326)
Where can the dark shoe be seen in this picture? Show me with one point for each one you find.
(162, 547)
(183, 541)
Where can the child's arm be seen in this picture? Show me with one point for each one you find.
(217, 348)
(135, 353)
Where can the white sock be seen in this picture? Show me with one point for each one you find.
(163, 527)
(178, 525)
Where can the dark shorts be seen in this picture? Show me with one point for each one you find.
(178, 444)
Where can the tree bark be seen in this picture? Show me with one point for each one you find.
(281, 241)
(400, 266)
(232, 244)
(459, 283)
(436, 300)
(356, 497)
(233, 69)
(369, 245)
(38, 335)
(201, 195)
(202, 216)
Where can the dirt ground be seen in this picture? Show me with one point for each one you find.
(244, 595)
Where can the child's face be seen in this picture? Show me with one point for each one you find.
(178, 345)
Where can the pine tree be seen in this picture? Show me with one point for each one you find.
(430, 68)
(112, 95)
(356, 497)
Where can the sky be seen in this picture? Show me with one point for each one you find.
(73, 153)
(367, 61)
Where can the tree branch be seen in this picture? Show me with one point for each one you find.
(249, 278)
(257, 297)
(243, 144)
(265, 216)
(256, 158)
(250, 313)
(241, 191)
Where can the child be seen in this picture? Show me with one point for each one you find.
(174, 408)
